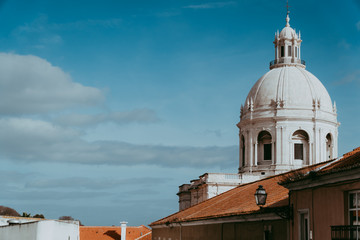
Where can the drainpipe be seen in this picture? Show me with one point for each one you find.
(123, 230)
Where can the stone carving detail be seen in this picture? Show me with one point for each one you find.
(251, 107)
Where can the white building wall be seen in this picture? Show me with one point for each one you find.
(57, 230)
(40, 230)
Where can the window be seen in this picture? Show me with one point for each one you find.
(267, 232)
(267, 151)
(299, 151)
(282, 54)
(304, 225)
(301, 148)
(289, 51)
(296, 52)
(354, 208)
(264, 142)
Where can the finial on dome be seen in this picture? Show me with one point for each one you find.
(287, 14)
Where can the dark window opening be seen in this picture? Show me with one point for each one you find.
(299, 151)
(282, 51)
(296, 52)
(267, 235)
(267, 151)
(289, 51)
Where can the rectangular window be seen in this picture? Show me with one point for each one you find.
(282, 51)
(289, 51)
(267, 232)
(296, 52)
(354, 208)
(267, 151)
(304, 225)
(299, 151)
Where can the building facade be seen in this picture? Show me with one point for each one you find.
(288, 122)
(326, 203)
(15, 228)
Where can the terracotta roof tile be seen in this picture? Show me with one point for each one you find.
(349, 160)
(237, 201)
(113, 233)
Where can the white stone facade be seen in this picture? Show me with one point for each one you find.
(288, 120)
(207, 186)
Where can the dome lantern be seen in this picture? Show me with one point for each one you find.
(287, 47)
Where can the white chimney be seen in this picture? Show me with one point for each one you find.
(123, 230)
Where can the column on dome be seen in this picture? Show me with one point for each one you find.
(336, 144)
(316, 145)
(321, 155)
(250, 150)
(256, 153)
(310, 153)
(273, 152)
(278, 140)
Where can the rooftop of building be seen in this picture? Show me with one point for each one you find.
(349, 161)
(114, 233)
(239, 201)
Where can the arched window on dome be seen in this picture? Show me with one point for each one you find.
(329, 147)
(242, 145)
(264, 148)
(300, 140)
(282, 51)
(289, 51)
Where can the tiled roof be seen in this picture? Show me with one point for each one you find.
(349, 161)
(114, 233)
(237, 201)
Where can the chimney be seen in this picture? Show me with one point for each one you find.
(123, 230)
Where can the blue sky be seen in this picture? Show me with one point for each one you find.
(106, 108)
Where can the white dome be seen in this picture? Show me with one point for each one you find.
(288, 33)
(291, 86)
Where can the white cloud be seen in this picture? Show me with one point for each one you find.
(92, 183)
(344, 44)
(42, 25)
(30, 84)
(349, 78)
(133, 116)
(39, 141)
(211, 5)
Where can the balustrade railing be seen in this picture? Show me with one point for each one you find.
(345, 232)
(282, 60)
